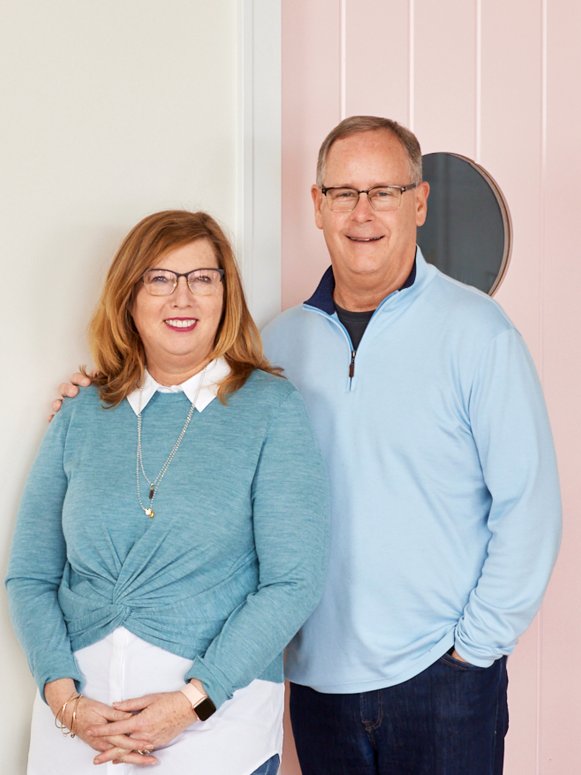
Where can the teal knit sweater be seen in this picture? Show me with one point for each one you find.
(226, 572)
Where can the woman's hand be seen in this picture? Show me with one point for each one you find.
(154, 719)
(89, 715)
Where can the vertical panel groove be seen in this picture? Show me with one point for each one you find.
(245, 149)
(543, 181)
(478, 84)
(544, 258)
(343, 56)
(411, 97)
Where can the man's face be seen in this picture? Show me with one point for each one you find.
(370, 249)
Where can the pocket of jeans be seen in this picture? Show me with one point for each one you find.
(457, 664)
(269, 767)
(275, 764)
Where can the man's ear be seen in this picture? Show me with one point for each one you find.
(422, 193)
(317, 198)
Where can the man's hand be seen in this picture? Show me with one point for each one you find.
(68, 390)
(457, 656)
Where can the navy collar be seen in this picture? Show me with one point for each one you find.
(322, 298)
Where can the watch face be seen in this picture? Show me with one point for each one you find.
(205, 709)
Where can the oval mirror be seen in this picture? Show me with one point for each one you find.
(467, 233)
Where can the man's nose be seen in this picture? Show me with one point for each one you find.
(363, 209)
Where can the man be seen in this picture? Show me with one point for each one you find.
(446, 511)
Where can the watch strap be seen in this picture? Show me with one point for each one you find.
(201, 704)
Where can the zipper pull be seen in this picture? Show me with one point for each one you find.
(352, 365)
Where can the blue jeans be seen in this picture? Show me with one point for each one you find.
(270, 767)
(450, 719)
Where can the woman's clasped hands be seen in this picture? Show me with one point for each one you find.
(145, 723)
(127, 731)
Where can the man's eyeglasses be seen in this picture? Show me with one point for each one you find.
(382, 198)
(201, 282)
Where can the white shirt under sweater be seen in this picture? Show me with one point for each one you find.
(243, 733)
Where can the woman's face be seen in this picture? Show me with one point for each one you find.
(178, 331)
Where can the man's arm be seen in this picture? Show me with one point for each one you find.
(512, 434)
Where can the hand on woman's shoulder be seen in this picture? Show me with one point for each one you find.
(68, 390)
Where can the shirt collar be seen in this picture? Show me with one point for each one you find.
(211, 377)
(323, 295)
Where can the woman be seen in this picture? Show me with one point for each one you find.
(171, 540)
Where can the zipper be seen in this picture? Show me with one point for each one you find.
(388, 300)
(341, 327)
(337, 322)
(352, 366)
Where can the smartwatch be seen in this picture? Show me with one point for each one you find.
(201, 704)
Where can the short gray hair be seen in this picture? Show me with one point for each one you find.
(355, 124)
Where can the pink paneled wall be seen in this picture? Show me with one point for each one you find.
(496, 80)
(559, 322)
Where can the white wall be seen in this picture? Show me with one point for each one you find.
(111, 110)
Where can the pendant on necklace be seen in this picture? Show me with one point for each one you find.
(153, 485)
(150, 512)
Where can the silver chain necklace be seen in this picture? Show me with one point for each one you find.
(154, 483)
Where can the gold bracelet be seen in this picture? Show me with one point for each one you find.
(57, 722)
(74, 720)
(60, 716)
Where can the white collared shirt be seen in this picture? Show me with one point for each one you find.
(201, 395)
(243, 733)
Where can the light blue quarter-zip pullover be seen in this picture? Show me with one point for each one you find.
(445, 497)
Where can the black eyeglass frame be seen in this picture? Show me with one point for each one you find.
(359, 191)
(177, 275)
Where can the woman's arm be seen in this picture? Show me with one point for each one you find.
(290, 514)
(37, 561)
